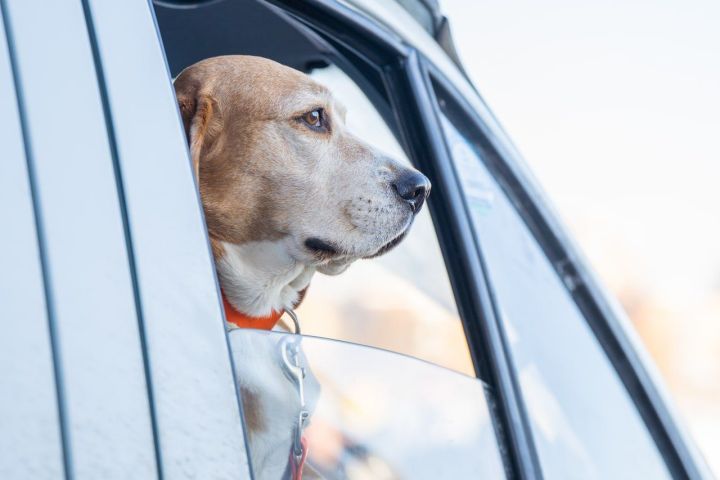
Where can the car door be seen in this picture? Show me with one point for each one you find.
(82, 254)
(117, 364)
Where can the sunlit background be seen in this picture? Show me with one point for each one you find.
(616, 108)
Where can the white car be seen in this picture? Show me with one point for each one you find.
(115, 362)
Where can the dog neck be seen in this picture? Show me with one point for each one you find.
(244, 321)
(259, 278)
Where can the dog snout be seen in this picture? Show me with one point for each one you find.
(413, 188)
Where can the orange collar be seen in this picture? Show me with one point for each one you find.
(244, 321)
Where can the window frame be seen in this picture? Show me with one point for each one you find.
(141, 82)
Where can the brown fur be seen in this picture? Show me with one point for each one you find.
(253, 413)
(228, 117)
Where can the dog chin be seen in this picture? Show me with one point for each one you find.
(393, 242)
(390, 245)
(335, 267)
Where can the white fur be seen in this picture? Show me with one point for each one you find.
(258, 277)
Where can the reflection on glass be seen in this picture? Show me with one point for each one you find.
(585, 424)
(374, 414)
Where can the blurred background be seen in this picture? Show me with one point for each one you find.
(616, 108)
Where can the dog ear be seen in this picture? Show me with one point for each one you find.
(203, 122)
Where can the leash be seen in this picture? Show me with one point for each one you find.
(297, 463)
(290, 352)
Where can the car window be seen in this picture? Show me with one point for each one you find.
(584, 423)
(373, 414)
(401, 301)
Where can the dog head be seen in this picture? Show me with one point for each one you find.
(285, 187)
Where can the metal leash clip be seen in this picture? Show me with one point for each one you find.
(290, 351)
(296, 323)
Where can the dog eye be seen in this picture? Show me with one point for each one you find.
(315, 119)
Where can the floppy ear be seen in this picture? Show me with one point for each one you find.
(203, 122)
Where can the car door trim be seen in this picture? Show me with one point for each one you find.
(41, 243)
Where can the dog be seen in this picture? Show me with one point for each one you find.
(287, 191)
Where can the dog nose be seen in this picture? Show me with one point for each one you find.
(413, 187)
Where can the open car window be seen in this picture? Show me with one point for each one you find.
(372, 413)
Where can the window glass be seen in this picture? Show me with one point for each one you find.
(401, 301)
(373, 414)
(584, 423)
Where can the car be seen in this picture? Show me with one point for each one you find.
(115, 361)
